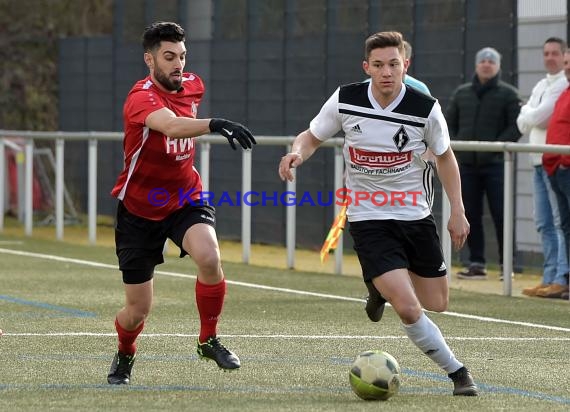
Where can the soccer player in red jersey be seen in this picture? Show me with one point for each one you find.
(159, 193)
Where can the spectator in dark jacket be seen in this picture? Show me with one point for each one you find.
(484, 109)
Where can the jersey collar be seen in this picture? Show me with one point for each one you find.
(392, 105)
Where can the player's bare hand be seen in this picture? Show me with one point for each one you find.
(458, 227)
(288, 162)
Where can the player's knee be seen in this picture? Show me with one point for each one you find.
(209, 262)
(138, 313)
(409, 313)
(140, 316)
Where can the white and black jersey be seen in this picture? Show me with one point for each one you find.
(386, 177)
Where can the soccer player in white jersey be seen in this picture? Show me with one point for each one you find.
(387, 127)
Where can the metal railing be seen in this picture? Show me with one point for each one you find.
(205, 143)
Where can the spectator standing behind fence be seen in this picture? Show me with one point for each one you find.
(484, 109)
(533, 119)
(160, 126)
(387, 127)
(557, 166)
(422, 87)
(410, 80)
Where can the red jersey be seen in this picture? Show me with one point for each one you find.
(159, 174)
(558, 132)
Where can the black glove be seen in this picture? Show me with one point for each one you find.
(232, 130)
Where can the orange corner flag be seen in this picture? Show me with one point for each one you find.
(333, 236)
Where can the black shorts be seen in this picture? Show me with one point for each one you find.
(385, 245)
(140, 242)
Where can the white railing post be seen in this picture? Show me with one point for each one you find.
(21, 182)
(246, 209)
(59, 173)
(92, 190)
(205, 165)
(29, 187)
(508, 212)
(3, 185)
(338, 184)
(445, 236)
(291, 220)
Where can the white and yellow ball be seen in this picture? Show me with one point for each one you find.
(375, 375)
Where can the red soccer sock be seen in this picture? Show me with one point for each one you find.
(210, 300)
(127, 338)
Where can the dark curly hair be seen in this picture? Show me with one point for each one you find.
(161, 31)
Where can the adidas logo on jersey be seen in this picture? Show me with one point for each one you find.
(442, 267)
(356, 129)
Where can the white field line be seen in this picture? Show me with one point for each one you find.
(272, 288)
(308, 337)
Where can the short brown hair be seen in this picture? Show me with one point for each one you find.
(561, 43)
(384, 39)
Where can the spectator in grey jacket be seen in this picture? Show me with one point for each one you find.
(484, 109)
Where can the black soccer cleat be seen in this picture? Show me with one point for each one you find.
(375, 303)
(120, 373)
(213, 349)
(463, 384)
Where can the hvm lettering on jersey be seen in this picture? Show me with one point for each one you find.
(176, 146)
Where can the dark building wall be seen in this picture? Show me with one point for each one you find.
(271, 64)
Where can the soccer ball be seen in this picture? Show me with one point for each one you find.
(375, 375)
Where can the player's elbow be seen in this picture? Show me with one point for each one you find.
(174, 128)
